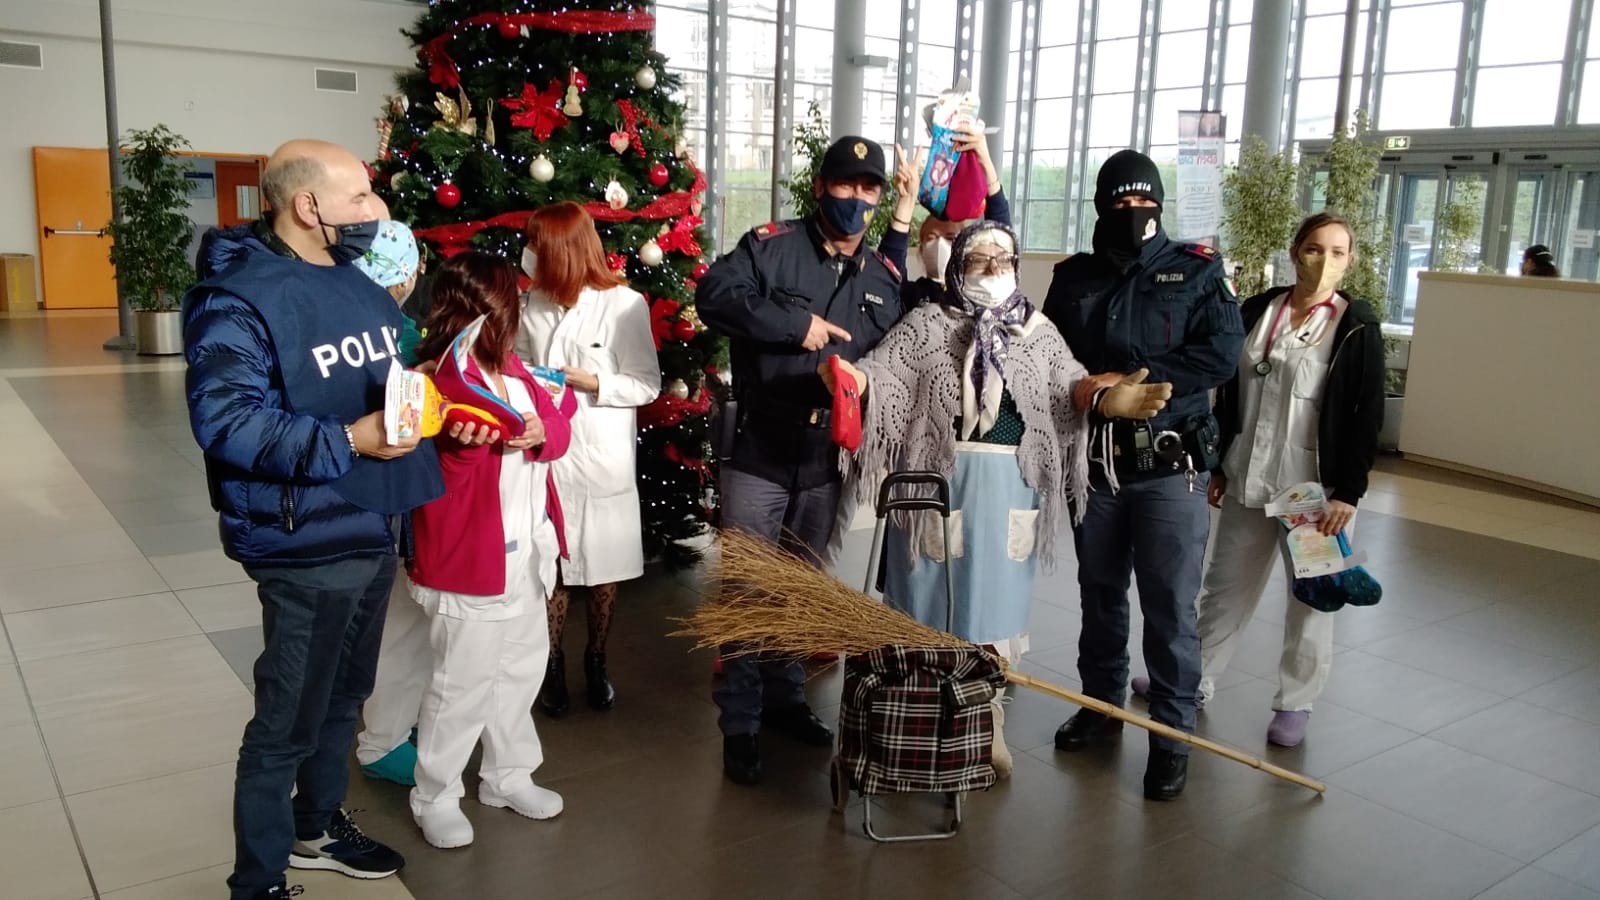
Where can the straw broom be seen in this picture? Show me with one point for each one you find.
(772, 601)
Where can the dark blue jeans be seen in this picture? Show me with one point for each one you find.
(1154, 529)
(322, 626)
(800, 521)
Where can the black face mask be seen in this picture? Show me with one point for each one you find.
(349, 242)
(1121, 233)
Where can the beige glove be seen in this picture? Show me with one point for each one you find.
(1131, 398)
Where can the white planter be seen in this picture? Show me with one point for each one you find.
(1389, 435)
(158, 332)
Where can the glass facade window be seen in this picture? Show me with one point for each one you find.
(1524, 31)
(1423, 37)
(1516, 95)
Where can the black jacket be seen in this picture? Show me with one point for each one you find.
(1352, 407)
(1172, 312)
(762, 296)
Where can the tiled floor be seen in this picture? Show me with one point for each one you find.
(1458, 734)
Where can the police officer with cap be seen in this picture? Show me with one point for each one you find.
(1143, 306)
(790, 295)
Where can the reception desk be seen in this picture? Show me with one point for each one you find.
(1503, 378)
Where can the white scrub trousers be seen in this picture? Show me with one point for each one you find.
(405, 664)
(1245, 540)
(485, 678)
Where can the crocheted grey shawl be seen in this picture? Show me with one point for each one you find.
(914, 396)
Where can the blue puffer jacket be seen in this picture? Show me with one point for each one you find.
(282, 355)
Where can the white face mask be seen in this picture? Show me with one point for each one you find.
(528, 260)
(989, 291)
(935, 256)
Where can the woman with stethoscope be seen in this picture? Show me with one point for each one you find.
(1305, 405)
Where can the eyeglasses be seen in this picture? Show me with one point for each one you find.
(982, 264)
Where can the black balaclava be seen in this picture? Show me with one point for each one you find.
(1119, 234)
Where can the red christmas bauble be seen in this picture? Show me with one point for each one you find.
(683, 330)
(700, 270)
(372, 173)
(690, 285)
(616, 261)
(659, 175)
(580, 79)
(447, 195)
(509, 30)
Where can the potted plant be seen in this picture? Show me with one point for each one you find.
(150, 245)
(1259, 211)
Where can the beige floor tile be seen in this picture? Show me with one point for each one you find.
(80, 583)
(1395, 504)
(1560, 537)
(64, 523)
(85, 627)
(224, 606)
(1470, 520)
(178, 672)
(137, 833)
(38, 856)
(203, 568)
(1516, 508)
(13, 703)
(1423, 489)
(20, 500)
(1581, 520)
(96, 545)
(205, 884)
(151, 738)
(25, 776)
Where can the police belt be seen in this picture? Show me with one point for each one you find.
(1192, 431)
(782, 412)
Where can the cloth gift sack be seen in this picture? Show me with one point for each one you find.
(918, 719)
(969, 189)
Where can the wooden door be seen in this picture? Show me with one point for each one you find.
(72, 190)
(231, 177)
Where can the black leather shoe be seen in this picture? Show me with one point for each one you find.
(741, 758)
(602, 695)
(1165, 774)
(1086, 727)
(798, 722)
(553, 699)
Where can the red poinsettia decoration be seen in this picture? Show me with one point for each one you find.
(681, 237)
(661, 313)
(539, 110)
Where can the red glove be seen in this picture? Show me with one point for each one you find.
(846, 408)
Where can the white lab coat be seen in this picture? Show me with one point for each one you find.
(608, 333)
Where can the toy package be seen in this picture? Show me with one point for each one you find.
(415, 405)
(1327, 570)
(953, 184)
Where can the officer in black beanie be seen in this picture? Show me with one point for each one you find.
(1141, 305)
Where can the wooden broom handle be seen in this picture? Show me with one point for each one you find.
(1166, 731)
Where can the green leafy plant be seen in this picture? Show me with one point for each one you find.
(1259, 212)
(810, 144)
(1352, 192)
(150, 245)
(1460, 225)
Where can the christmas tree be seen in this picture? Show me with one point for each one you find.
(514, 104)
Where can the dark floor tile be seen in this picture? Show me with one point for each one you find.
(1562, 628)
(1533, 884)
(240, 647)
(1400, 695)
(1358, 626)
(173, 538)
(1205, 871)
(1505, 809)
(162, 510)
(1577, 861)
(1532, 739)
(1492, 665)
(1576, 695)
(1338, 737)
(1340, 845)
(1420, 599)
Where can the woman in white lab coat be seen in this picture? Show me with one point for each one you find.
(581, 317)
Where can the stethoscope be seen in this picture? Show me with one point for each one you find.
(1264, 367)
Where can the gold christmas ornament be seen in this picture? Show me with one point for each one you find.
(645, 78)
(385, 131)
(455, 117)
(650, 253)
(678, 389)
(488, 125)
(542, 169)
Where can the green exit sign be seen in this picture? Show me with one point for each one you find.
(1397, 143)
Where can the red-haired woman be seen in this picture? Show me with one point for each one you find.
(580, 317)
(485, 559)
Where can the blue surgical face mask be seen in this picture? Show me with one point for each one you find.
(846, 216)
